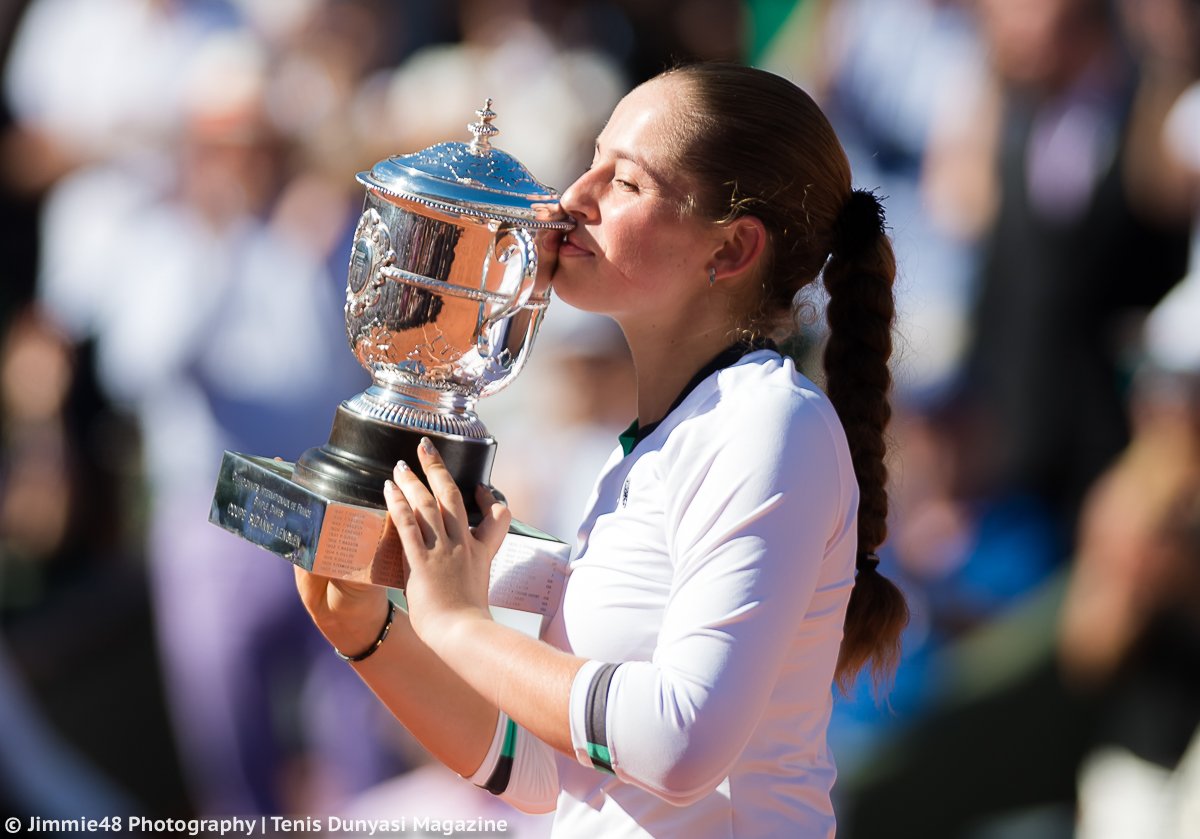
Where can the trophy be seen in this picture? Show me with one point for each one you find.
(447, 284)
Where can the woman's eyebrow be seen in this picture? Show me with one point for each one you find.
(637, 160)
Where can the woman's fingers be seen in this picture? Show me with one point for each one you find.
(423, 515)
(413, 510)
(310, 586)
(496, 518)
(448, 561)
(441, 483)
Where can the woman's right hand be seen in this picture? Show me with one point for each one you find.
(348, 614)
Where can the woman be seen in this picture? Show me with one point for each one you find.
(683, 688)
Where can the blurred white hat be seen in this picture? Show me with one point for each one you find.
(1172, 332)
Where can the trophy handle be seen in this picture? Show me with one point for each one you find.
(524, 249)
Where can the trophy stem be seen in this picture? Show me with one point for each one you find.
(362, 451)
(430, 410)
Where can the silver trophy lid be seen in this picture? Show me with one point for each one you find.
(473, 178)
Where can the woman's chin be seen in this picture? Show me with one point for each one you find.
(569, 293)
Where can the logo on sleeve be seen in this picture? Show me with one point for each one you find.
(625, 494)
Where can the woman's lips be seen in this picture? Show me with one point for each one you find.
(569, 247)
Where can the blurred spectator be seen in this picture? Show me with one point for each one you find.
(1035, 164)
(1032, 160)
(46, 516)
(1067, 258)
(888, 71)
(202, 313)
(1130, 628)
(20, 195)
(892, 68)
(119, 95)
(666, 32)
(39, 773)
(550, 98)
(67, 520)
(1131, 625)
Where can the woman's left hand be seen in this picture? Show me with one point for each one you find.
(449, 561)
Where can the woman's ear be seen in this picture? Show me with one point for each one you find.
(743, 243)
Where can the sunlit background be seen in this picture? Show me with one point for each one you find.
(177, 199)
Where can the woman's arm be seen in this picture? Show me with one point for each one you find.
(446, 667)
(450, 719)
(759, 515)
(447, 590)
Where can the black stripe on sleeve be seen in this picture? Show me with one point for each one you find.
(497, 782)
(595, 723)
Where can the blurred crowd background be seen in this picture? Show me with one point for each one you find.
(177, 198)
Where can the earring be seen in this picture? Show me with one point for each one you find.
(712, 277)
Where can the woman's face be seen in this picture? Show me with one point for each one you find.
(634, 249)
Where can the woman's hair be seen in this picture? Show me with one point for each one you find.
(755, 144)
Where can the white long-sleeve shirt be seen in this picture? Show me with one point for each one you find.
(707, 588)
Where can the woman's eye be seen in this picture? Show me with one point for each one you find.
(625, 185)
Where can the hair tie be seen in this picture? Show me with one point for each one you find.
(866, 562)
(859, 223)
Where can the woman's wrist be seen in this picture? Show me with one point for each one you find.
(457, 637)
(354, 632)
(369, 650)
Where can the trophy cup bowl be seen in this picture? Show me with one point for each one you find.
(447, 284)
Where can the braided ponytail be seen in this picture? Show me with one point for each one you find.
(860, 313)
(766, 149)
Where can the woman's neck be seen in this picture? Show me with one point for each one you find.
(666, 360)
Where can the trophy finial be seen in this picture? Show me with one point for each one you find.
(483, 130)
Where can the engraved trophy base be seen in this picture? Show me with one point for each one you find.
(260, 500)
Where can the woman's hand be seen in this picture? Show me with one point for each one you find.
(348, 614)
(341, 609)
(449, 561)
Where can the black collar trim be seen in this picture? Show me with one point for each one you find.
(728, 357)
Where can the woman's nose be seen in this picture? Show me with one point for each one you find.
(577, 199)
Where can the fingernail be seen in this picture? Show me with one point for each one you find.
(389, 487)
(427, 446)
(401, 467)
(497, 497)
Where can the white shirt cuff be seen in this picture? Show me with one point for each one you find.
(493, 755)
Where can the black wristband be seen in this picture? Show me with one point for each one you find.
(383, 633)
